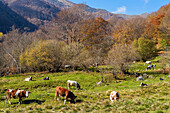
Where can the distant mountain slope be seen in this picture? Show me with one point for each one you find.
(40, 12)
(62, 3)
(36, 11)
(9, 18)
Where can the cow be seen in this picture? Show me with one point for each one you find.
(28, 79)
(161, 79)
(12, 93)
(139, 78)
(147, 62)
(67, 66)
(60, 91)
(150, 67)
(46, 78)
(114, 96)
(142, 84)
(73, 83)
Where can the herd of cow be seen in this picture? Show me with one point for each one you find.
(60, 91)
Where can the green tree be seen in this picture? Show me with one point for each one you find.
(146, 48)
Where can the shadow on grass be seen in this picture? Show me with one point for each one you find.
(79, 101)
(31, 101)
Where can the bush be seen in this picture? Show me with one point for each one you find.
(46, 55)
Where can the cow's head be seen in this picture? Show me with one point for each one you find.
(117, 96)
(78, 86)
(74, 99)
(27, 93)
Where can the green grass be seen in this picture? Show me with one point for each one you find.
(92, 98)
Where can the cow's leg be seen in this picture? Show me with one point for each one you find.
(65, 98)
(8, 99)
(68, 86)
(76, 86)
(20, 100)
(57, 95)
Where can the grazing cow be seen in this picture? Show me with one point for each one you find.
(28, 79)
(59, 91)
(12, 93)
(147, 62)
(142, 84)
(46, 78)
(67, 66)
(150, 67)
(73, 83)
(139, 78)
(114, 95)
(161, 79)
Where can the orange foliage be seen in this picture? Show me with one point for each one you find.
(94, 31)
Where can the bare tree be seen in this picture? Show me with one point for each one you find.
(68, 23)
(165, 60)
(121, 57)
(13, 45)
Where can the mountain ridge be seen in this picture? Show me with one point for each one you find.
(13, 19)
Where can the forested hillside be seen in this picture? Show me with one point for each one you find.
(80, 40)
(9, 18)
(127, 54)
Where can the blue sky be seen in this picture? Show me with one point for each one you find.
(130, 7)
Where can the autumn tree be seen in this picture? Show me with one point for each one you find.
(46, 55)
(96, 37)
(157, 29)
(120, 57)
(125, 31)
(68, 23)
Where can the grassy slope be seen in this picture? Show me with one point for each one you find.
(92, 98)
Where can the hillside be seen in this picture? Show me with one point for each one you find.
(37, 12)
(91, 97)
(40, 12)
(62, 3)
(9, 18)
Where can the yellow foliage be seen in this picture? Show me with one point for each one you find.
(1, 34)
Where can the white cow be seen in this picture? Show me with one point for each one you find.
(139, 78)
(28, 79)
(114, 96)
(73, 83)
(147, 62)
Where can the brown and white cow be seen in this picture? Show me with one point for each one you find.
(114, 95)
(12, 93)
(60, 91)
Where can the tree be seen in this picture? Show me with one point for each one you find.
(68, 23)
(96, 38)
(76, 55)
(13, 45)
(94, 31)
(46, 55)
(125, 31)
(121, 57)
(146, 48)
(165, 60)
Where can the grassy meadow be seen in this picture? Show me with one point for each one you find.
(92, 97)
